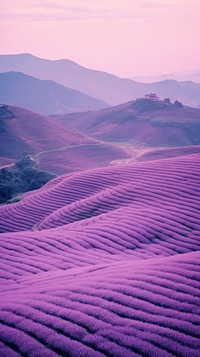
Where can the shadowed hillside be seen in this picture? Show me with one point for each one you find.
(104, 262)
(53, 145)
(20, 177)
(24, 131)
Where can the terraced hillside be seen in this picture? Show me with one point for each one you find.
(104, 262)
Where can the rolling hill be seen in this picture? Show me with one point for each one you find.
(104, 262)
(53, 145)
(109, 88)
(105, 259)
(142, 122)
(43, 96)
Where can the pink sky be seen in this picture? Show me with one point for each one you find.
(124, 37)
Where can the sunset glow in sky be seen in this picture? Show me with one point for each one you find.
(124, 37)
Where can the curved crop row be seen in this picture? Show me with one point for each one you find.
(104, 263)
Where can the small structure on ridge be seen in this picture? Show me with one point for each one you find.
(152, 96)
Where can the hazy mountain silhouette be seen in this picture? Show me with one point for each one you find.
(107, 87)
(43, 96)
(144, 122)
(178, 76)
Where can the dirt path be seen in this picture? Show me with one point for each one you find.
(134, 153)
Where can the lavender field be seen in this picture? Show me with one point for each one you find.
(100, 178)
(104, 262)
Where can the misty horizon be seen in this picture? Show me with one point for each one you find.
(124, 38)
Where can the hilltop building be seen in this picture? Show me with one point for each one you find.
(152, 96)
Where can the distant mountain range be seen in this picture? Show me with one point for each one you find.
(143, 122)
(178, 76)
(109, 88)
(43, 96)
